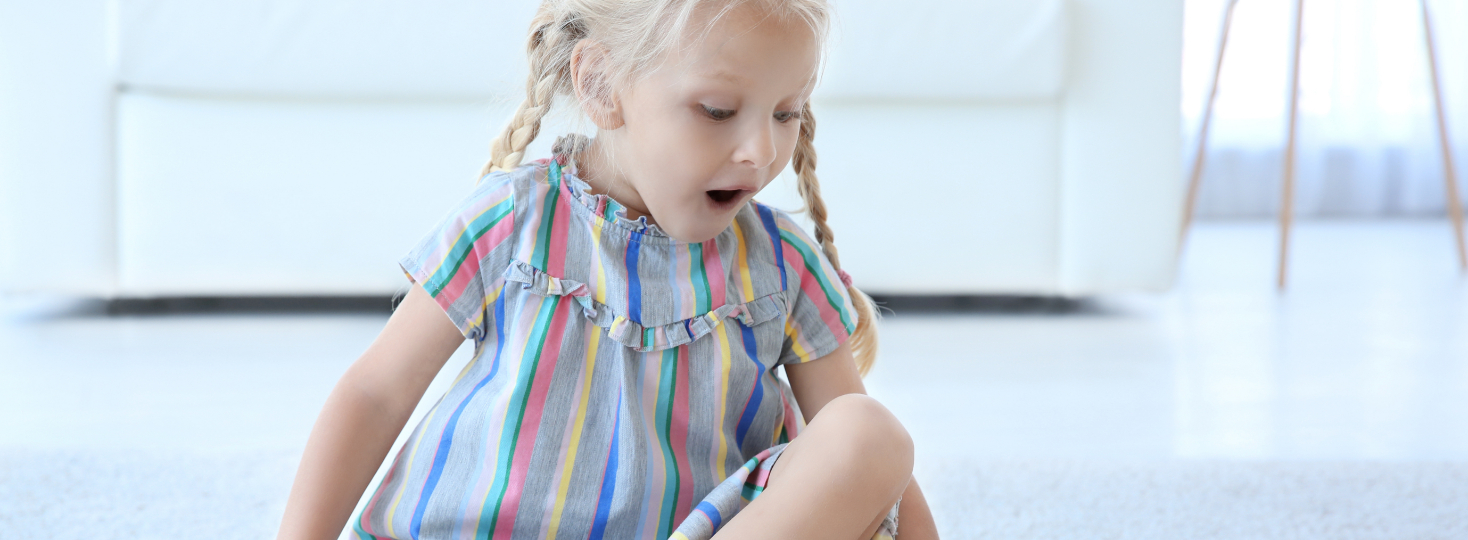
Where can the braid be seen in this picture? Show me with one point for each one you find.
(803, 162)
(549, 50)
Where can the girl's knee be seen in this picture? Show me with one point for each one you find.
(871, 430)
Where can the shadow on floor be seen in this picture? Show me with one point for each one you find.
(986, 305)
(890, 304)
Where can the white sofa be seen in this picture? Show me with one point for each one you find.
(279, 147)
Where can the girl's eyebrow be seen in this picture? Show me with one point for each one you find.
(722, 75)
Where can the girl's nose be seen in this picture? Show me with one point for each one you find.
(758, 146)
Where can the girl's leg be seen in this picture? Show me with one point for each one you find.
(836, 480)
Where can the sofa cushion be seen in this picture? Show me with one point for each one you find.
(944, 49)
(352, 48)
(947, 49)
(227, 197)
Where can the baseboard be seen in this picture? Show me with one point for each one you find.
(252, 304)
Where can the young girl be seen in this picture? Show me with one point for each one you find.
(629, 304)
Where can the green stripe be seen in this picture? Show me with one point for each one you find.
(666, 387)
(612, 208)
(522, 396)
(542, 249)
(464, 244)
(812, 266)
(700, 279)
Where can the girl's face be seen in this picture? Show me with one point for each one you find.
(692, 142)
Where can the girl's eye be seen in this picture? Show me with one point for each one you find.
(785, 116)
(717, 114)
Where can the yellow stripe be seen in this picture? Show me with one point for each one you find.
(601, 272)
(393, 509)
(723, 397)
(499, 434)
(744, 264)
(579, 421)
(795, 344)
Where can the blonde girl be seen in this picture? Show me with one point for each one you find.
(629, 304)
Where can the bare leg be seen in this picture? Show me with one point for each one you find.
(836, 480)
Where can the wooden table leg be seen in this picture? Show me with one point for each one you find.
(1287, 201)
(1197, 175)
(1455, 205)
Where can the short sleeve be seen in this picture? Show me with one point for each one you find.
(461, 259)
(821, 313)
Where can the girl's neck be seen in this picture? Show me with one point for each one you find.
(596, 168)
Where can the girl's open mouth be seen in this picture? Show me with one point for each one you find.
(724, 196)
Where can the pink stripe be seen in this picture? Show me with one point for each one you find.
(713, 264)
(811, 286)
(791, 427)
(678, 436)
(761, 475)
(530, 236)
(482, 247)
(467, 213)
(514, 341)
(381, 492)
(560, 223)
(530, 421)
(565, 445)
(656, 472)
(684, 303)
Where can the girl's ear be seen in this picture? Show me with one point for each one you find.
(588, 78)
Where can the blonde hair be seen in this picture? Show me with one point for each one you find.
(635, 35)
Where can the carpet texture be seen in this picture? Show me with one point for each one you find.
(100, 496)
(1198, 499)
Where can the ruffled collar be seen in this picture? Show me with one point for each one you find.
(637, 292)
(600, 205)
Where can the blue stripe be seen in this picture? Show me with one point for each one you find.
(608, 481)
(499, 324)
(752, 351)
(445, 443)
(510, 438)
(634, 285)
(767, 217)
(712, 513)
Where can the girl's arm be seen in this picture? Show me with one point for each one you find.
(816, 383)
(364, 414)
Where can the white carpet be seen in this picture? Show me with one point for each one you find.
(1199, 499)
(88, 495)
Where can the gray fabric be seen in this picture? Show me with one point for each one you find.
(676, 373)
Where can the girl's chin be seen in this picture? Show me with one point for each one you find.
(700, 232)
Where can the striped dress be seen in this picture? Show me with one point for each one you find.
(623, 383)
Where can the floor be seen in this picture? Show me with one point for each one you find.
(1364, 357)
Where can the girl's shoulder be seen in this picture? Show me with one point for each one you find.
(513, 193)
(511, 183)
(797, 251)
